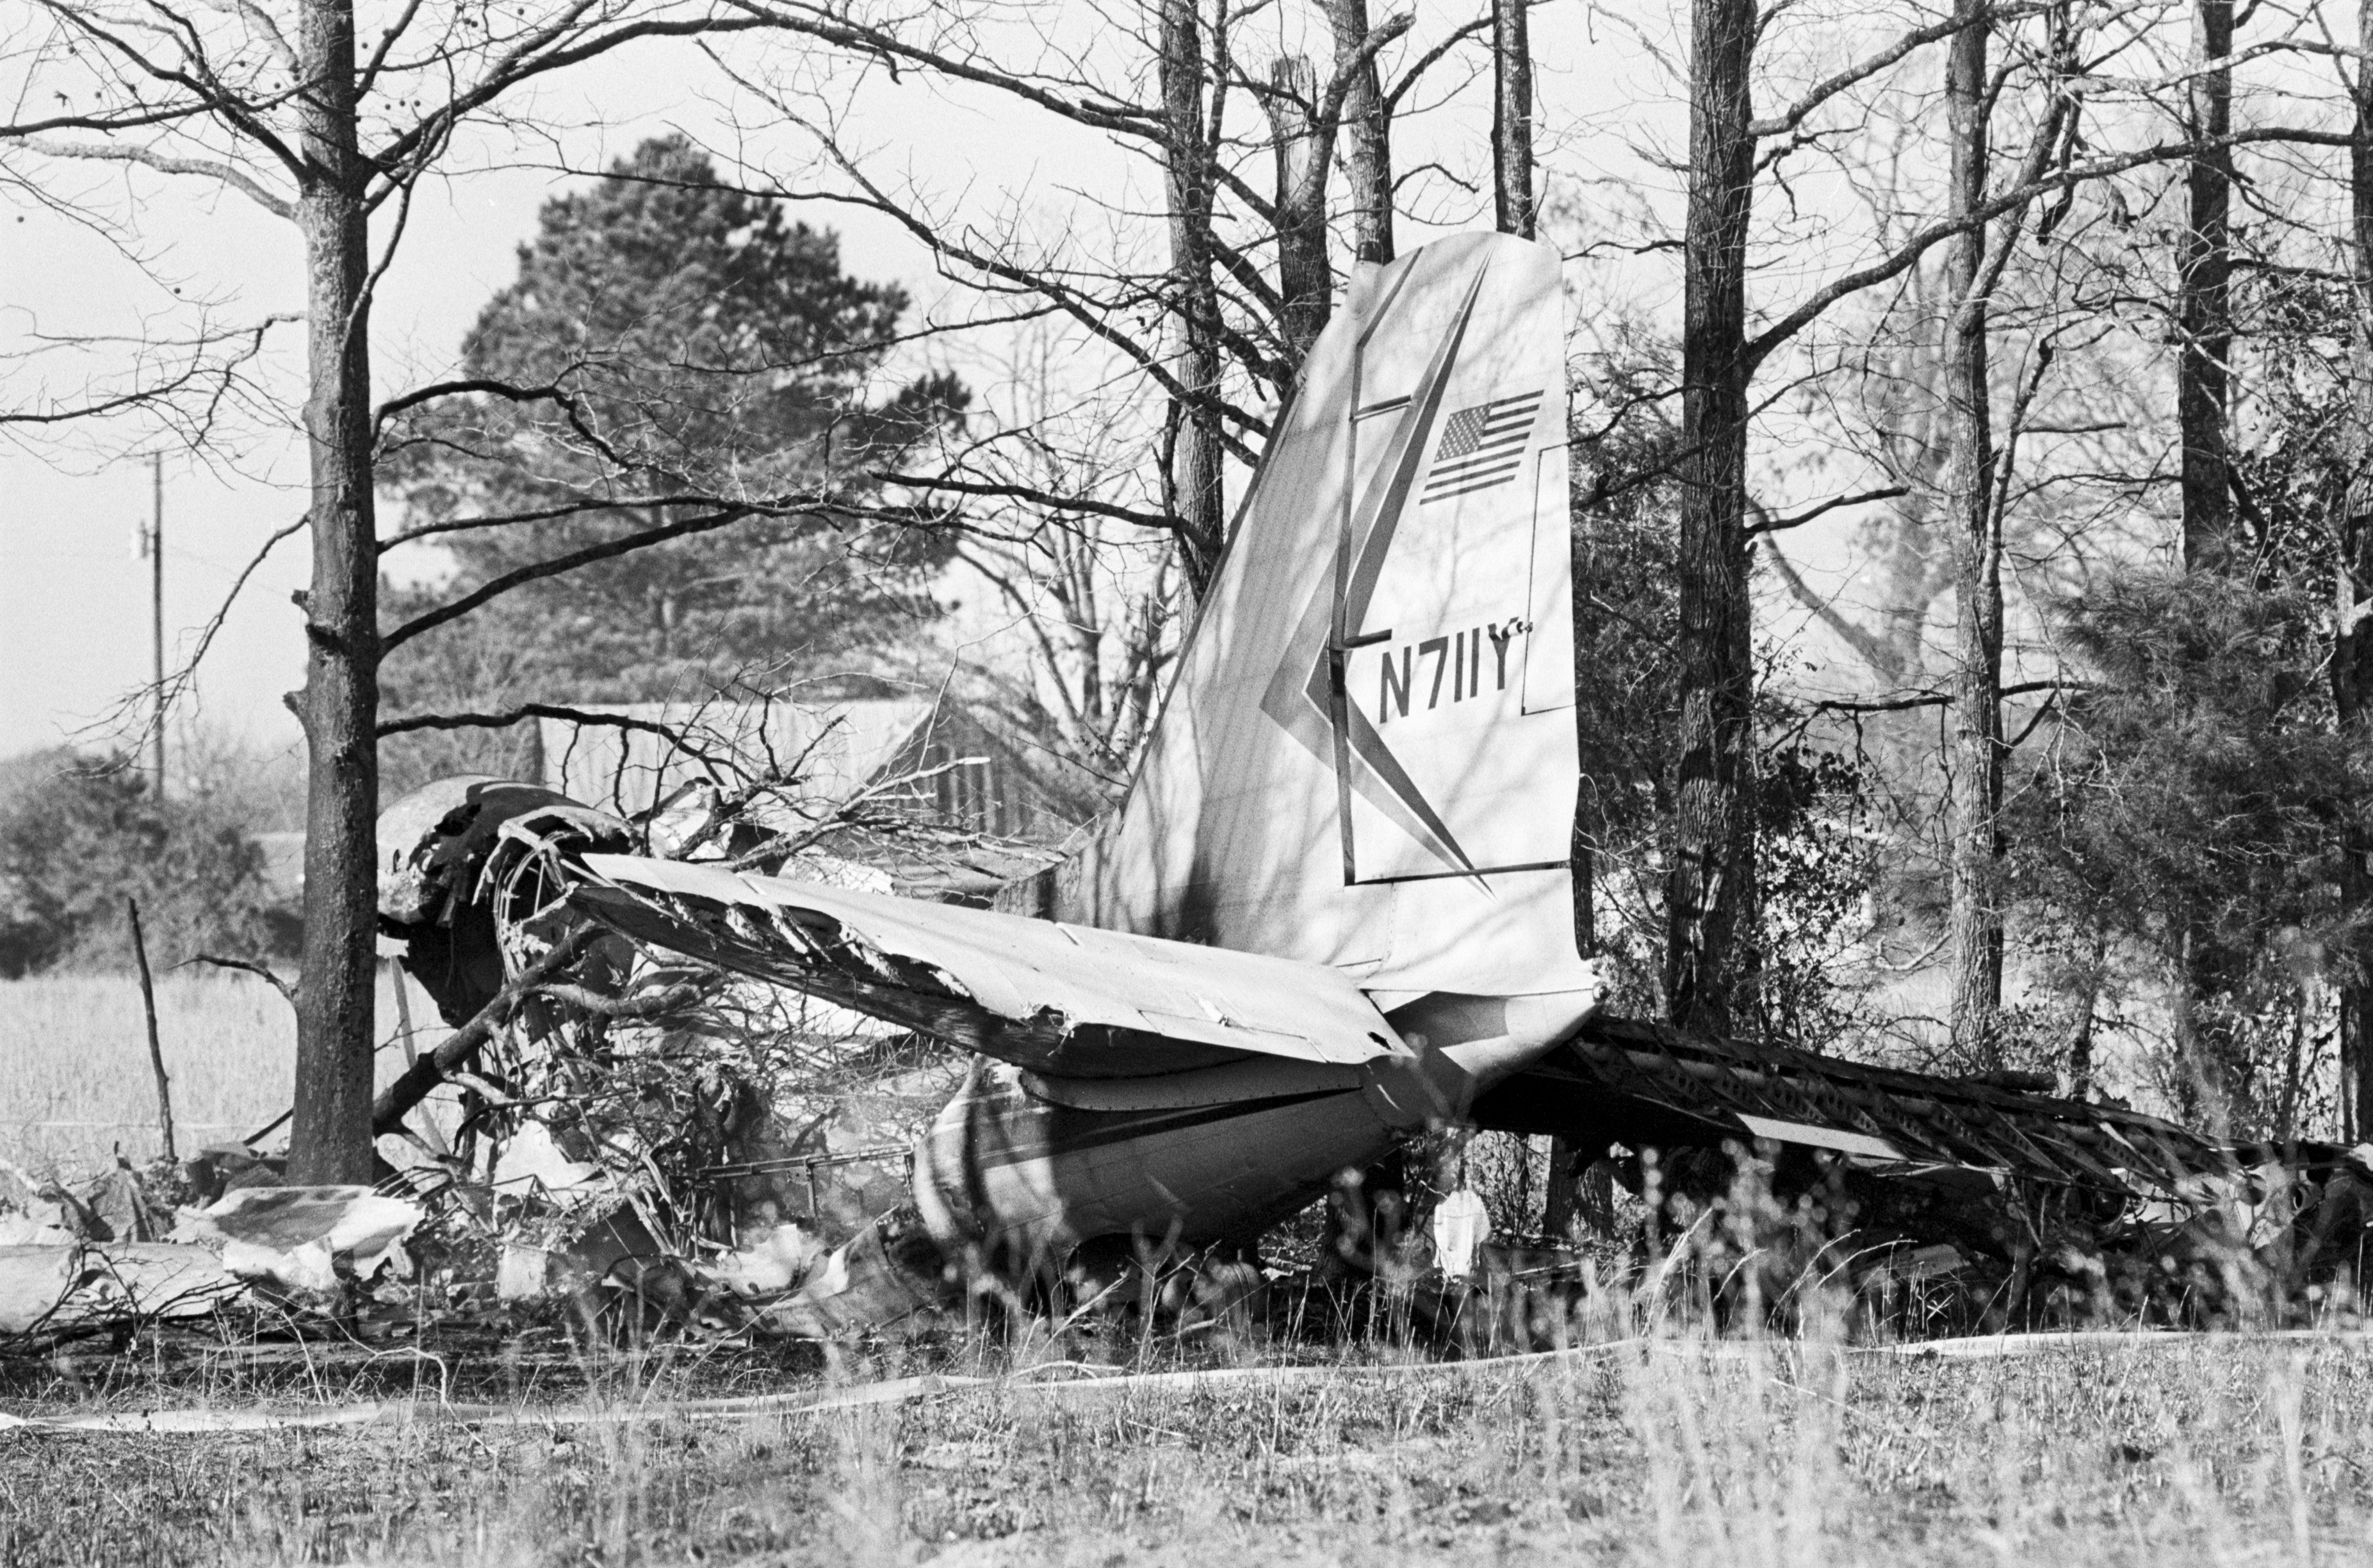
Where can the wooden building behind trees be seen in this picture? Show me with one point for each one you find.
(938, 800)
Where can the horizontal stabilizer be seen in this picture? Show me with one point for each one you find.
(1052, 998)
(1645, 1084)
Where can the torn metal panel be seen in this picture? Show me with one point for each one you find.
(455, 877)
(1643, 1083)
(1051, 998)
(1028, 1179)
(1222, 1085)
(1834, 1139)
(297, 1237)
(434, 843)
(861, 1287)
(52, 1288)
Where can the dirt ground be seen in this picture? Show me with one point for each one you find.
(2167, 1452)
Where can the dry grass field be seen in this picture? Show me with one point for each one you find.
(1671, 1450)
(75, 1081)
(2188, 1451)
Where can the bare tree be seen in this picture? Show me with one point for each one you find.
(2352, 653)
(1305, 282)
(1193, 433)
(1515, 202)
(291, 110)
(1095, 590)
(1367, 122)
(1709, 905)
(330, 1133)
(1977, 224)
(1231, 330)
(1977, 757)
(2204, 292)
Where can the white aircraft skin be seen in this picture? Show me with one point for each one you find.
(1030, 1165)
(1333, 905)
(1327, 783)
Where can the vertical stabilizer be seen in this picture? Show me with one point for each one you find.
(1367, 758)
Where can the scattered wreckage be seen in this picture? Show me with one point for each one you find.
(1332, 913)
(1047, 1166)
(77, 1264)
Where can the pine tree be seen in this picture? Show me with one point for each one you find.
(671, 344)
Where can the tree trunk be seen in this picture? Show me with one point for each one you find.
(1977, 743)
(2198, 1095)
(2080, 1038)
(330, 1136)
(1559, 1202)
(1512, 119)
(1583, 860)
(2204, 298)
(1710, 914)
(1193, 477)
(1367, 125)
(2203, 380)
(2352, 654)
(1305, 283)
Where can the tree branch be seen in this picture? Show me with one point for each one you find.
(1861, 71)
(522, 63)
(1074, 304)
(249, 965)
(1909, 255)
(607, 550)
(1933, 699)
(673, 735)
(246, 185)
(547, 514)
(458, 1049)
(1431, 57)
(1769, 524)
(1032, 494)
(242, 116)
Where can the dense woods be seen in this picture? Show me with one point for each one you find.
(1972, 519)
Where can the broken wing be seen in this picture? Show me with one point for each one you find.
(1071, 1000)
(1644, 1083)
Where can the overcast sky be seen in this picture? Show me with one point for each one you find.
(73, 635)
(74, 598)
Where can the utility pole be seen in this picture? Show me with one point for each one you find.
(157, 610)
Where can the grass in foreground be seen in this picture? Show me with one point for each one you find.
(2195, 1451)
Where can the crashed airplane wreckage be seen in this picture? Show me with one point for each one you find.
(1333, 909)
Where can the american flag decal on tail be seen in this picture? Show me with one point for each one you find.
(1481, 447)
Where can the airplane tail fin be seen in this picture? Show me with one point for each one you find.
(1367, 757)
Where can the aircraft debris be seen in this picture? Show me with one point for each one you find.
(1050, 997)
(1332, 913)
(54, 1289)
(305, 1239)
(1673, 1088)
(219, 1168)
(862, 1287)
(1461, 1225)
